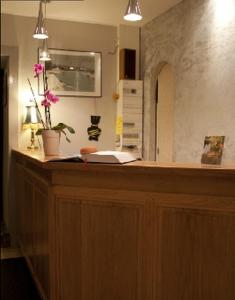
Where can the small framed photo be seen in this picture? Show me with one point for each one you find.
(73, 73)
(213, 150)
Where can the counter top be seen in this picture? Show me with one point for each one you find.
(38, 158)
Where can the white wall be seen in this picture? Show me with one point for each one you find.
(198, 39)
(74, 111)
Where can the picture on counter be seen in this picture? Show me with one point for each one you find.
(213, 150)
(73, 73)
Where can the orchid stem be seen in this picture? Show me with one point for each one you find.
(36, 104)
(47, 109)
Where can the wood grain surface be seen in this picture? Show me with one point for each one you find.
(139, 231)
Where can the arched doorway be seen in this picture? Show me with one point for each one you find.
(165, 94)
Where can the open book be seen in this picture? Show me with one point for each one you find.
(105, 157)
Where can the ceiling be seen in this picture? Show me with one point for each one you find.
(108, 12)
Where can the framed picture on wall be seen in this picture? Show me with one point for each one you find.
(73, 73)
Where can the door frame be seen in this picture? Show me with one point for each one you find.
(10, 136)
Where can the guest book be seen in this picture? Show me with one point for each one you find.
(105, 157)
(110, 157)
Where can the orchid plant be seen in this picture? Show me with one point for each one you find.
(48, 99)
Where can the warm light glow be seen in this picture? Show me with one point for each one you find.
(224, 12)
(11, 80)
(133, 12)
(44, 56)
(25, 95)
(40, 36)
(133, 17)
(33, 114)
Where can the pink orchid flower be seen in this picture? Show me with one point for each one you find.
(45, 103)
(51, 97)
(38, 69)
(55, 99)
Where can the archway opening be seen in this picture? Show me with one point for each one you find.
(164, 129)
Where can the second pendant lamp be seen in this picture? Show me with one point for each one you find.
(44, 54)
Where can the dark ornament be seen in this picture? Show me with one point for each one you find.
(94, 131)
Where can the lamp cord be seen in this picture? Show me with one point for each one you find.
(45, 11)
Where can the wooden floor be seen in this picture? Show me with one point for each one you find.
(16, 282)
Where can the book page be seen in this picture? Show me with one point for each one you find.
(109, 157)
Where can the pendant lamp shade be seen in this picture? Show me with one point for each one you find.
(40, 30)
(133, 12)
(44, 53)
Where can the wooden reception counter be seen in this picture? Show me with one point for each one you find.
(139, 231)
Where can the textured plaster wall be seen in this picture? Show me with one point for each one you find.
(75, 111)
(197, 37)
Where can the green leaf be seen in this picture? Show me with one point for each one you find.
(70, 129)
(67, 139)
(61, 128)
(39, 131)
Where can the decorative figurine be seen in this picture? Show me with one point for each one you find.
(94, 131)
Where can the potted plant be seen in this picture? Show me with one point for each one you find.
(50, 134)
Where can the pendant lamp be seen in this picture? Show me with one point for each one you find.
(40, 30)
(44, 53)
(133, 12)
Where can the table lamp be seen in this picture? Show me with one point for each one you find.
(32, 121)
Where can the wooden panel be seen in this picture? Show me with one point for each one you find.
(111, 254)
(196, 255)
(32, 226)
(19, 198)
(41, 253)
(150, 180)
(68, 238)
(99, 250)
(157, 199)
(27, 219)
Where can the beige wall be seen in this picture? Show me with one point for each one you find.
(198, 39)
(17, 31)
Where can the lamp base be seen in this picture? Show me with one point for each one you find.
(32, 147)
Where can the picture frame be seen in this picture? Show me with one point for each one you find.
(73, 73)
(212, 150)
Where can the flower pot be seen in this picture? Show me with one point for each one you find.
(51, 142)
